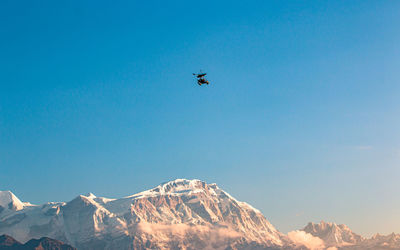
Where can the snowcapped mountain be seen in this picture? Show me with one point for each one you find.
(179, 214)
(9, 202)
(391, 241)
(332, 234)
(341, 237)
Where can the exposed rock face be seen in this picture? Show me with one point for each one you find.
(45, 243)
(181, 214)
(332, 234)
(6, 242)
(9, 243)
(391, 241)
(341, 237)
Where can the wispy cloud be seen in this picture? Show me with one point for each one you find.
(216, 236)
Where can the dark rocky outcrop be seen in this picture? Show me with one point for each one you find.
(8, 242)
(44, 243)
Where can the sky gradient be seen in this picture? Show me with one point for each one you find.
(301, 119)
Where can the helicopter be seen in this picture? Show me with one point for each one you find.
(200, 78)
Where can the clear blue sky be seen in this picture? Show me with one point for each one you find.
(301, 120)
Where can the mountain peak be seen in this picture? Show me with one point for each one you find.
(195, 183)
(191, 184)
(90, 195)
(9, 201)
(176, 187)
(333, 234)
(168, 214)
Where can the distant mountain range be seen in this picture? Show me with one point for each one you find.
(44, 243)
(180, 214)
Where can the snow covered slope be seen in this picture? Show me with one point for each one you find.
(333, 234)
(8, 201)
(341, 237)
(180, 214)
(177, 214)
(391, 241)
